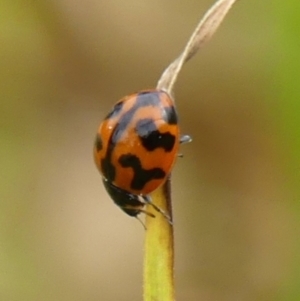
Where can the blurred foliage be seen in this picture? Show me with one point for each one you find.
(236, 192)
(287, 87)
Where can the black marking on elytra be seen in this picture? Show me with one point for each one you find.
(151, 138)
(157, 139)
(98, 143)
(115, 110)
(125, 200)
(170, 115)
(142, 100)
(141, 176)
(108, 169)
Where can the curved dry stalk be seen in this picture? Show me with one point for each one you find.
(203, 32)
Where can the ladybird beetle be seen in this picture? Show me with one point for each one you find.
(136, 147)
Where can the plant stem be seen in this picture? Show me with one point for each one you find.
(159, 251)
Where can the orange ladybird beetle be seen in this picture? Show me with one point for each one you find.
(136, 147)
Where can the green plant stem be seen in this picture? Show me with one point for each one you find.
(159, 250)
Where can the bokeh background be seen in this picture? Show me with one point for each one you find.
(63, 63)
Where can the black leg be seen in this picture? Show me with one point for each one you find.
(148, 200)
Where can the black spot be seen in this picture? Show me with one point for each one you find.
(170, 115)
(128, 202)
(109, 171)
(151, 138)
(98, 143)
(157, 139)
(115, 110)
(141, 176)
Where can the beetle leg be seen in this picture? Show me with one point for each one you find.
(147, 200)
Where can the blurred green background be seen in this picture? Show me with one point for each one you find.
(63, 63)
